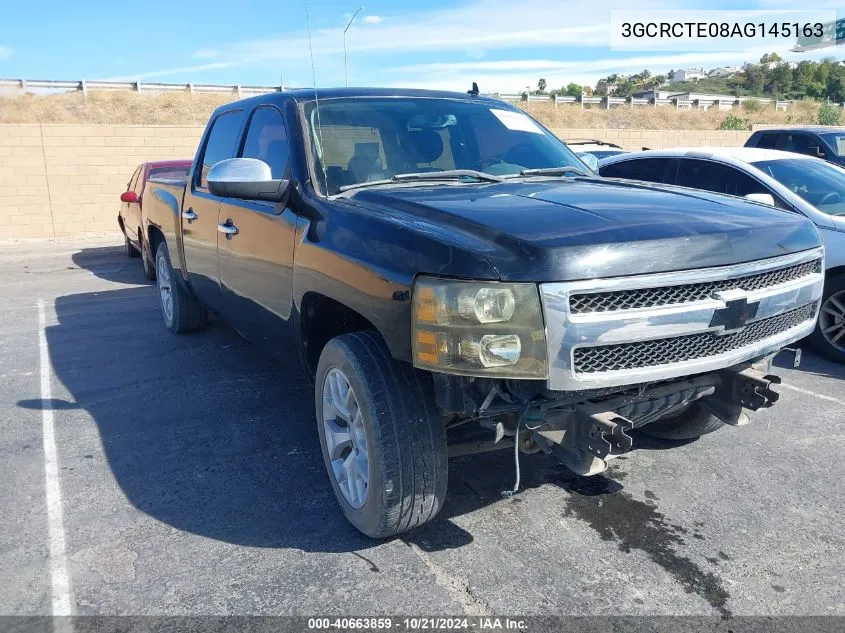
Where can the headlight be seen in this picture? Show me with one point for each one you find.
(478, 328)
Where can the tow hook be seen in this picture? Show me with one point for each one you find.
(741, 389)
(607, 434)
(584, 438)
(753, 389)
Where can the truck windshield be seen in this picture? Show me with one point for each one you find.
(361, 139)
(819, 183)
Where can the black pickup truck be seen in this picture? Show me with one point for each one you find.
(439, 259)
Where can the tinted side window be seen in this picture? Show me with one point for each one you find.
(222, 141)
(768, 141)
(648, 169)
(702, 174)
(799, 143)
(267, 140)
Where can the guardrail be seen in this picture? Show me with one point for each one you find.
(135, 86)
(240, 90)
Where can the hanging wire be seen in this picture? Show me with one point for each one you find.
(510, 493)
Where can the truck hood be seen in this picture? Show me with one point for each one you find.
(581, 228)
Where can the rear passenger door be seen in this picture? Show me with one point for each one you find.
(200, 209)
(256, 262)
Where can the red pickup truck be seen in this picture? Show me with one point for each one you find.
(130, 217)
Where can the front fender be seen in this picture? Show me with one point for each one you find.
(368, 262)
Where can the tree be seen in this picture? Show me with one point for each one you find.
(781, 79)
(755, 79)
(836, 88)
(770, 57)
(573, 90)
(541, 86)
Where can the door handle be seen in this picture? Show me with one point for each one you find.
(189, 215)
(228, 229)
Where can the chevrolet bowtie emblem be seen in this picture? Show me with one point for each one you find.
(736, 313)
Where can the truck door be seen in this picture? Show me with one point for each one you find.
(200, 210)
(256, 244)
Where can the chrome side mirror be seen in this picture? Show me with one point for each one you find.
(590, 160)
(762, 198)
(246, 179)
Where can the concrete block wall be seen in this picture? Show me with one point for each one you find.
(59, 180)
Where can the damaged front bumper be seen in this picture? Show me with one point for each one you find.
(586, 435)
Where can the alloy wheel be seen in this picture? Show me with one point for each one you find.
(832, 320)
(165, 290)
(345, 438)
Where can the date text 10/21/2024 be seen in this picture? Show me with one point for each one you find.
(416, 623)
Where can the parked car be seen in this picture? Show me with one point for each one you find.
(809, 186)
(827, 143)
(438, 260)
(129, 218)
(599, 149)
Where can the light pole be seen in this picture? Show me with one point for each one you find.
(345, 68)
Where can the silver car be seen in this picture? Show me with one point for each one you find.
(798, 183)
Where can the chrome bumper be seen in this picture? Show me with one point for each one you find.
(720, 314)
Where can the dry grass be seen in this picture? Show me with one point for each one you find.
(662, 118)
(186, 109)
(172, 108)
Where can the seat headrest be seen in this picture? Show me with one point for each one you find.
(426, 145)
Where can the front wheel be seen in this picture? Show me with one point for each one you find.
(383, 440)
(829, 336)
(179, 309)
(690, 423)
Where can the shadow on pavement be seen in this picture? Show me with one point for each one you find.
(206, 434)
(111, 263)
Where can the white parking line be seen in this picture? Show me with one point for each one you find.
(59, 577)
(807, 392)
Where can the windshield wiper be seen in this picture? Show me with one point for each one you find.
(448, 174)
(552, 171)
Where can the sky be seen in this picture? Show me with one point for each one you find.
(503, 45)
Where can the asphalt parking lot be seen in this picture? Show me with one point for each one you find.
(191, 482)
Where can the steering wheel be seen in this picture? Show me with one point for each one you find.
(832, 196)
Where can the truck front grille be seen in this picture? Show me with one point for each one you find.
(687, 293)
(685, 348)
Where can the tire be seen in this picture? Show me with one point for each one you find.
(148, 262)
(185, 313)
(404, 435)
(831, 322)
(131, 251)
(692, 422)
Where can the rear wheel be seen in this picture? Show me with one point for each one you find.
(829, 336)
(179, 309)
(383, 440)
(690, 423)
(148, 260)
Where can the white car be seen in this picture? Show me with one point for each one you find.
(795, 182)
